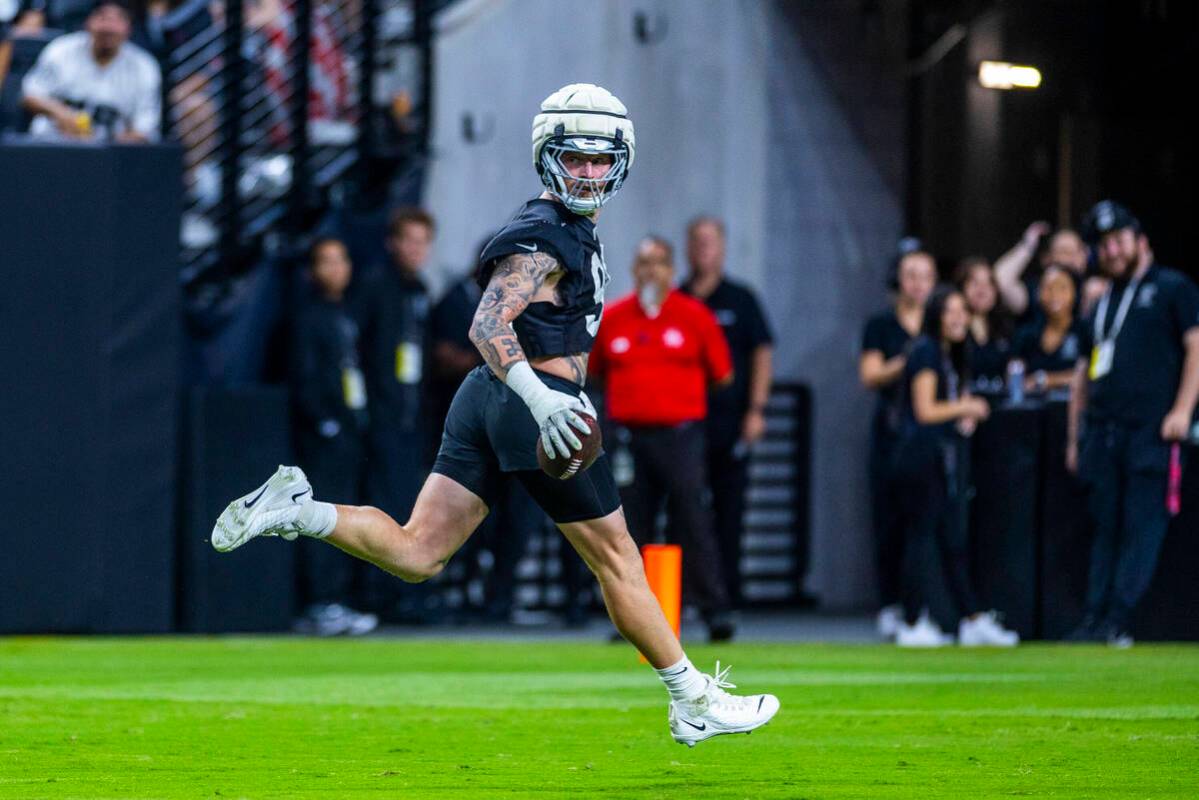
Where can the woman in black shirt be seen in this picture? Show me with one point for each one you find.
(987, 344)
(1050, 345)
(880, 367)
(931, 468)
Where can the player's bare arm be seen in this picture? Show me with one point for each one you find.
(518, 280)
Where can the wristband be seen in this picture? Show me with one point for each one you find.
(522, 380)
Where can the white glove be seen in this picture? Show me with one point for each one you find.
(554, 411)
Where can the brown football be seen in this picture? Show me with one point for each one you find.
(566, 468)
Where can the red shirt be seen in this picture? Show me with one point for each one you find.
(656, 371)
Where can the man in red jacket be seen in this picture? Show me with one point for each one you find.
(657, 353)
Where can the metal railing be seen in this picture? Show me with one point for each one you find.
(276, 102)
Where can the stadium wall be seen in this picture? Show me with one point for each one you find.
(733, 119)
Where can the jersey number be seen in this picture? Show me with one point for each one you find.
(599, 276)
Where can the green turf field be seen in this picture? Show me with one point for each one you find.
(294, 718)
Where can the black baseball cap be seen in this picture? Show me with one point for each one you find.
(1107, 216)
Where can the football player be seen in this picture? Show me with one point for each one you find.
(544, 278)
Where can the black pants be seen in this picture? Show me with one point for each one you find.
(886, 516)
(334, 467)
(936, 538)
(728, 477)
(669, 464)
(1124, 470)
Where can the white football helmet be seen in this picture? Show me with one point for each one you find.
(582, 118)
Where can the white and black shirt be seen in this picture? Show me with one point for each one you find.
(130, 84)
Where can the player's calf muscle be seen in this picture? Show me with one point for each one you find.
(370, 534)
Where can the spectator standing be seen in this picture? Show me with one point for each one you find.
(881, 369)
(736, 412)
(95, 82)
(987, 344)
(1050, 345)
(931, 465)
(1138, 390)
(656, 353)
(395, 311)
(329, 421)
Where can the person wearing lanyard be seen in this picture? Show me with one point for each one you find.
(1137, 382)
(880, 368)
(657, 353)
(395, 316)
(329, 426)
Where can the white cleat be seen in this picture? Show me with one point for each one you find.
(888, 621)
(925, 633)
(716, 712)
(985, 630)
(270, 510)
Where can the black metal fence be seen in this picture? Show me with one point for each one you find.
(278, 101)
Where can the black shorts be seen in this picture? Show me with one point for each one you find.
(490, 431)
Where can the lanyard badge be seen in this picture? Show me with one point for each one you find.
(1104, 351)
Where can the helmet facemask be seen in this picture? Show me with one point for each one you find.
(583, 195)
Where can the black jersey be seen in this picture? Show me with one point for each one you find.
(546, 329)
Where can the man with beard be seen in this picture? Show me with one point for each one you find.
(1138, 382)
(94, 82)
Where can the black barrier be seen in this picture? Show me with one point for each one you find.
(1032, 537)
(1004, 522)
(235, 440)
(1064, 539)
(90, 355)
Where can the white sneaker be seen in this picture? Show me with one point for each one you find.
(925, 633)
(716, 711)
(269, 510)
(334, 619)
(888, 621)
(984, 630)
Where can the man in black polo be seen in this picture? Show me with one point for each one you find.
(736, 412)
(1138, 386)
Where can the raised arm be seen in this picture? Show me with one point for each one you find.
(515, 281)
(1009, 269)
(514, 284)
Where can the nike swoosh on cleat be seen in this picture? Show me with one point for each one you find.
(532, 248)
(760, 701)
(255, 500)
(703, 727)
(300, 494)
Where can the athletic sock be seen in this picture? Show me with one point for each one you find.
(683, 681)
(318, 519)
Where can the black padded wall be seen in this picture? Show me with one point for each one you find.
(89, 354)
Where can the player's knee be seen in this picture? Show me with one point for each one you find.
(617, 561)
(420, 571)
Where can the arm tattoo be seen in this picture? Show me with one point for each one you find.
(512, 286)
(578, 368)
